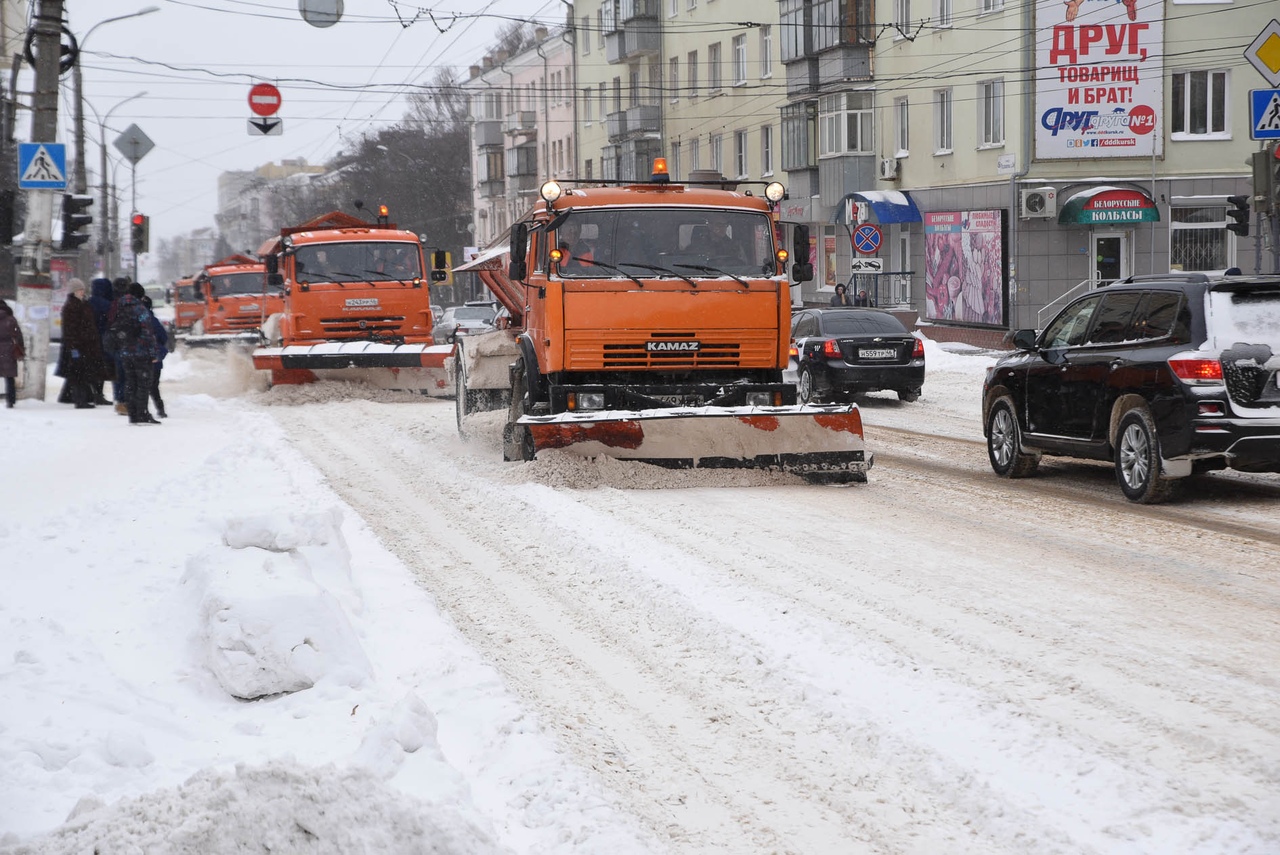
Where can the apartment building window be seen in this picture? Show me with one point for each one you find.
(695, 154)
(792, 22)
(766, 51)
(942, 121)
(799, 150)
(845, 124)
(942, 12)
(740, 153)
(766, 150)
(600, 29)
(985, 6)
(739, 60)
(674, 165)
(587, 170)
(654, 95)
(902, 18)
(1199, 104)
(585, 34)
(713, 67)
(991, 118)
(491, 166)
(610, 20)
(691, 5)
(633, 88)
(617, 94)
(673, 8)
(588, 106)
(1197, 236)
(901, 127)
(826, 24)
(673, 78)
(717, 153)
(604, 102)
(691, 64)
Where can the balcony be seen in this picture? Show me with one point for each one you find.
(802, 75)
(841, 64)
(644, 118)
(518, 185)
(522, 122)
(488, 132)
(616, 124)
(495, 188)
(635, 38)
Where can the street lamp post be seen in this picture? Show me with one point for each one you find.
(105, 245)
(79, 180)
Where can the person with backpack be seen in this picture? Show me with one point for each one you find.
(119, 394)
(136, 350)
(100, 297)
(162, 345)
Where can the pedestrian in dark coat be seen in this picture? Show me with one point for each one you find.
(841, 297)
(137, 358)
(119, 386)
(80, 360)
(162, 344)
(100, 297)
(12, 351)
(862, 299)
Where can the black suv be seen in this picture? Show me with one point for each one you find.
(1165, 375)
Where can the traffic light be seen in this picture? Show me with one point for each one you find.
(1265, 168)
(442, 267)
(140, 233)
(73, 220)
(1239, 212)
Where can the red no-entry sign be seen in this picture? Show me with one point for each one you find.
(264, 99)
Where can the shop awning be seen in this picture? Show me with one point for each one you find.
(887, 206)
(1105, 205)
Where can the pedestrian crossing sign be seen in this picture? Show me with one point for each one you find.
(1264, 114)
(42, 166)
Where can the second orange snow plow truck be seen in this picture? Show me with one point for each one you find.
(356, 307)
(652, 322)
(188, 306)
(236, 300)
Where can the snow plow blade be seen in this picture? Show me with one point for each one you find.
(246, 340)
(823, 444)
(409, 367)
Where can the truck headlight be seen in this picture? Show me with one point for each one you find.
(759, 399)
(590, 400)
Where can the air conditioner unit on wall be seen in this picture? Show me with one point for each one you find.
(889, 169)
(1039, 203)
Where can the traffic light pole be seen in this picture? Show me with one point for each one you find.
(35, 287)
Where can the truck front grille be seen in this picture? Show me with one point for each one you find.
(627, 350)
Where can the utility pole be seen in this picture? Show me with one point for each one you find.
(35, 287)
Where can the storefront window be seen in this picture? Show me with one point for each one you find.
(1198, 237)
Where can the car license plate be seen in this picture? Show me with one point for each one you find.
(877, 353)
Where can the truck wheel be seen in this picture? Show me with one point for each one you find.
(460, 392)
(1138, 460)
(1004, 442)
(517, 442)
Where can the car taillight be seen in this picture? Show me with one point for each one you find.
(794, 352)
(1196, 371)
(917, 350)
(831, 349)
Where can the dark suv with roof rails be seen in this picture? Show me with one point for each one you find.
(1165, 375)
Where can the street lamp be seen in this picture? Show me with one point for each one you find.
(104, 231)
(79, 179)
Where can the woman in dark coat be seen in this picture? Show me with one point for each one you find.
(12, 349)
(80, 362)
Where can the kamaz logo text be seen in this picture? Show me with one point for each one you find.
(660, 346)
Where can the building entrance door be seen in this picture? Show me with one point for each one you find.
(1110, 254)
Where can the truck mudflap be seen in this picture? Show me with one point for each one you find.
(822, 443)
(409, 367)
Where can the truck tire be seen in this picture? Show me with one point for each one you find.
(461, 395)
(517, 442)
(1138, 460)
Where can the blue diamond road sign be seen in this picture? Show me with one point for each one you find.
(42, 166)
(1264, 114)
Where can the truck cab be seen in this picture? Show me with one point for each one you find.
(237, 300)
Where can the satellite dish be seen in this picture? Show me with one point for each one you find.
(320, 13)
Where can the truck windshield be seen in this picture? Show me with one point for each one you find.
(718, 241)
(236, 284)
(363, 261)
(187, 294)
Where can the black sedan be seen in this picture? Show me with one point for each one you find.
(838, 353)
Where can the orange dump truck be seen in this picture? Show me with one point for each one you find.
(356, 307)
(237, 301)
(652, 321)
(188, 306)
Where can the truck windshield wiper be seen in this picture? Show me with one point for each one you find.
(612, 267)
(387, 277)
(708, 269)
(656, 269)
(330, 277)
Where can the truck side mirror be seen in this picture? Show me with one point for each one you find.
(801, 270)
(272, 264)
(518, 268)
(275, 280)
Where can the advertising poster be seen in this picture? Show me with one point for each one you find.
(965, 274)
(1100, 67)
(829, 246)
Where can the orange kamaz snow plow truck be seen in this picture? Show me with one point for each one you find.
(356, 307)
(652, 322)
(188, 306)
(237, 301)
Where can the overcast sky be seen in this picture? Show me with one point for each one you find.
(197, 59)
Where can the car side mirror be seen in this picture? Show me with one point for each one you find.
(1024, 339)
